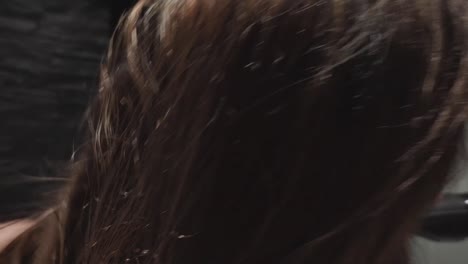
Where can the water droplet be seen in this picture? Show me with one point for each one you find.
(301, 31)
(214, 78)
(124, 101)
(358, 107)
(253, 66)
(278, 60)
(184, 236)
(260, 43)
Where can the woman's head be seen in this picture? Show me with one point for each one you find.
(269, 131)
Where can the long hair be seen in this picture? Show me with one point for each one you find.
(265, 131)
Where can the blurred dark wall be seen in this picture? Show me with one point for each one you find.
(50, 52)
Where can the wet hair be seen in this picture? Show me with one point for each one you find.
(265, 131)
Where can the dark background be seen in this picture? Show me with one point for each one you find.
(50, 51)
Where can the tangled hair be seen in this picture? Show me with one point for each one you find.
(264, 131)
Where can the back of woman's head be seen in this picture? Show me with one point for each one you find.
(268, 131)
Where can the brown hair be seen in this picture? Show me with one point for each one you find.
(266, 131)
